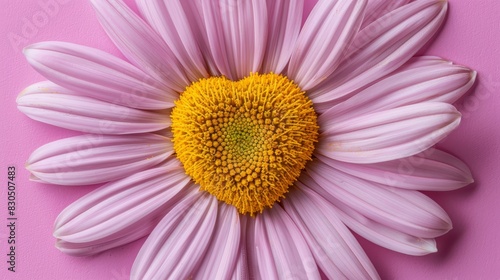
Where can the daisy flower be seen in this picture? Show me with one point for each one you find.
(245, 143)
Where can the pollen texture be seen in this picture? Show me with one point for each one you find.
(245, 142)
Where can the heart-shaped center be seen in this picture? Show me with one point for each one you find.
(245, 142)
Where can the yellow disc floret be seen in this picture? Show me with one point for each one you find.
(244, 142)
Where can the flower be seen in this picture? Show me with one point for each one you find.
(245, 143)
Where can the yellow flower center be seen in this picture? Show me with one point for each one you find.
(244, 142)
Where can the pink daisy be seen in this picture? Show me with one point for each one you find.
(246, 144)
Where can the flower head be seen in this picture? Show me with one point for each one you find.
(245, 143)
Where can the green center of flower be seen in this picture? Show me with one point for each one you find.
(245, 142)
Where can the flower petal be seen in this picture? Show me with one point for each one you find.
(376, 232)
(382, 47)
(55, 105)
(383, 235)
(328, 30)
(109, 215)
(97, 74)
(422, 61)
(407, 211)
(285, 19)
(177, 245)
(388, 135)
(87, 249)
(254, 253)
(140, 43)
(335, 249)
(91, 159)
(194, 14)
(169, 19)
(375, 9)
(237, 32)
(431, 170)
(442, 82)
(222, 254)
(281, 245)
(241, 270)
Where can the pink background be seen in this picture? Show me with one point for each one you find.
(471, 36)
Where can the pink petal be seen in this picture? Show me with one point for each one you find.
(241, 270)
(280, 244)
(383, 235)
(335, 249)
(422, 61)
(55, 105)
(431, 170)
(169, 19)
(404, 210)
(388, 135)
(96, 74)
(254, 253)
(140, 43)
(177, 245)
(375, 9)
(114, 213)
(440, 82)
(382, 47)
(91, 159)
(328, 30)
(222, 254)
(113, 199)
(412, 63)
(33, 178)
(237, 32)
(285, 19)
(194, 14)
(87, 249)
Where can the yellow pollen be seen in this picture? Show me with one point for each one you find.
(244, 142)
